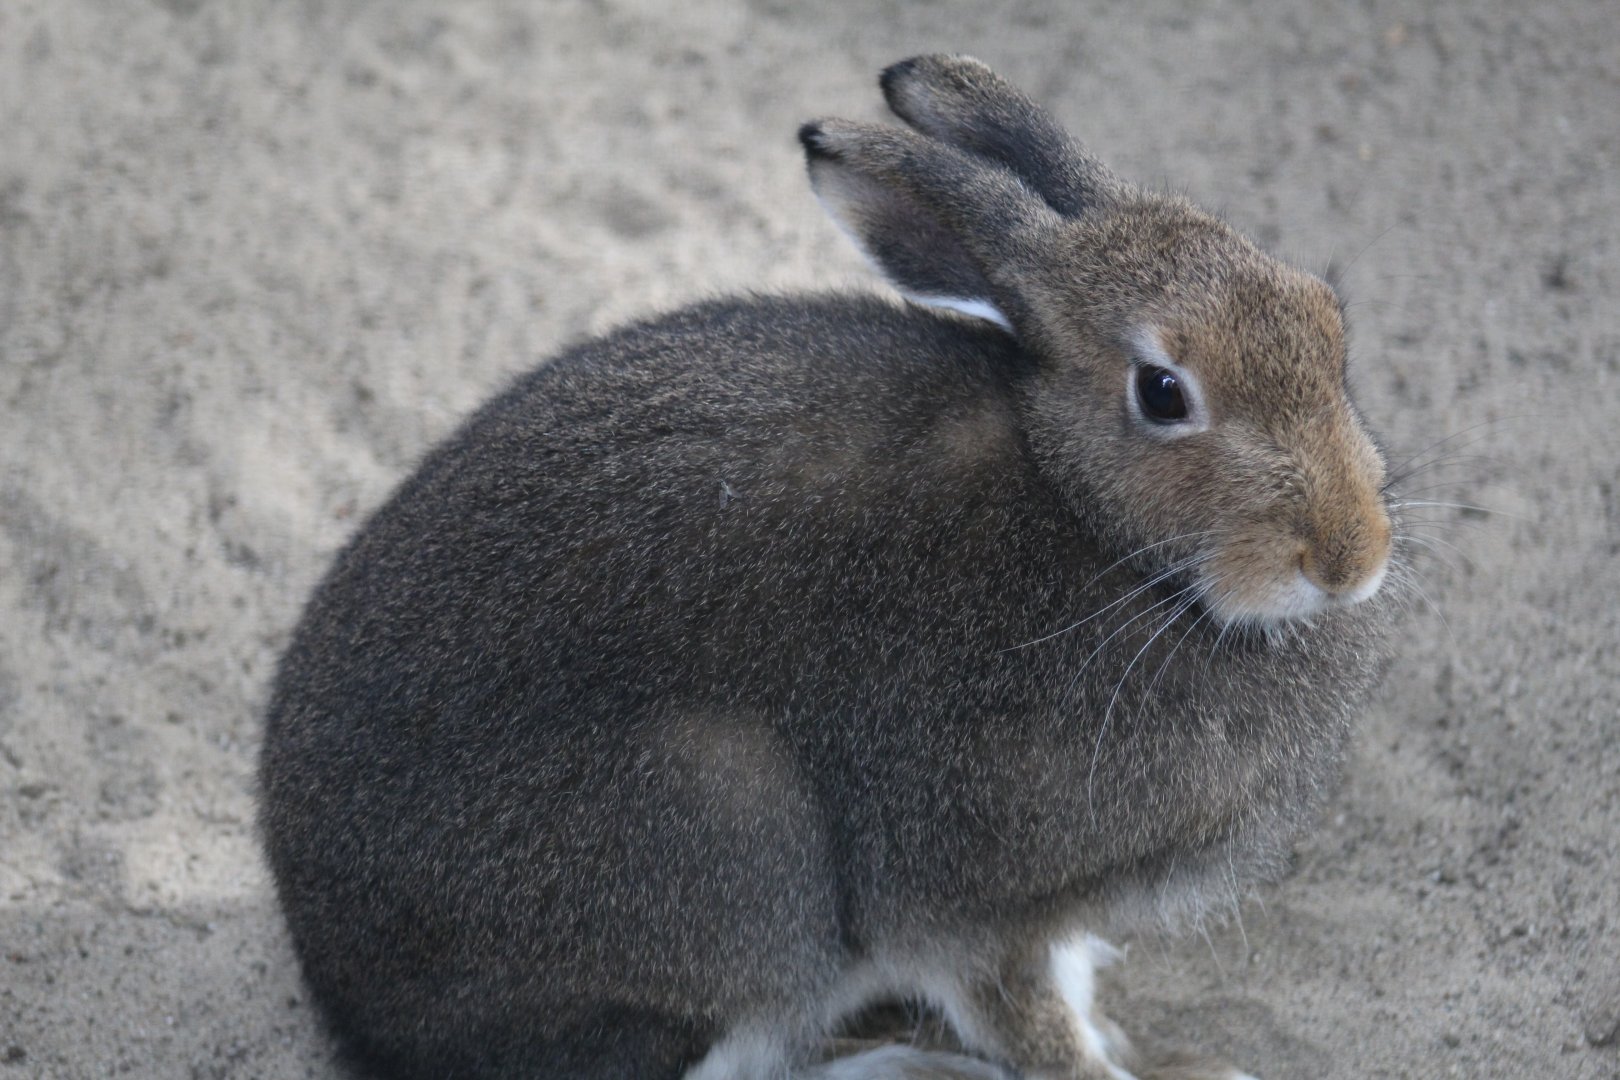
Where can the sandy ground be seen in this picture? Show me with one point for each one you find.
(256, 257)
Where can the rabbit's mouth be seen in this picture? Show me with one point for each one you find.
(1238, 588)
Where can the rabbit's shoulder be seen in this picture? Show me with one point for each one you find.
(749, 361)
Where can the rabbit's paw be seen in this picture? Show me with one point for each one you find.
(1074, 972)
(748, 1053)
(1074, 968)
(1037, 1015)
(905, 1063)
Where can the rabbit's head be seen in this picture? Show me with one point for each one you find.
(1189, 391)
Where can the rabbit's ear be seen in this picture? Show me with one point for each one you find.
(961, 101)
(935, 221)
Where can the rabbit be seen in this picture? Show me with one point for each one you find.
(781, 656)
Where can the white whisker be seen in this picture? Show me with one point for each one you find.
(1402, 471)
(1086, 663)
(1108, 713)
(1408, 577)
(1457, 506)
(1432, 547)
(1168, 571)
(1215, 648)
(1153, 684)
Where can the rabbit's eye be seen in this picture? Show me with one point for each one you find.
(1159, 391)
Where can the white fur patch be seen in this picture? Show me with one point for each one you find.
(742, 1055)
(978, 309)
(938, 984)
(1367, 588)
(1294, 598)
(898, 1062)
(1074, 969)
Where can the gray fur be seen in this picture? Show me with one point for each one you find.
(724, 658)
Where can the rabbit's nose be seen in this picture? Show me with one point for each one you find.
(1349, 562)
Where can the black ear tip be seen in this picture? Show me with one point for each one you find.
(810, 138)
(815, 141)
(894, 73)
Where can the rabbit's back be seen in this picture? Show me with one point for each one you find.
(660, 513)
(541, 710)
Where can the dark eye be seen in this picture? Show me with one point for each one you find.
(1159, 391)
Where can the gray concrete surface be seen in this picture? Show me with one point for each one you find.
(256, 257)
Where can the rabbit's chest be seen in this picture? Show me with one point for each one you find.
(1170, 799)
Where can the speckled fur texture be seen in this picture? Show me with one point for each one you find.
(780, 655)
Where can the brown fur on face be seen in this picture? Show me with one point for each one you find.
(1278, 499)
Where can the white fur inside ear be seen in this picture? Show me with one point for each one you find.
(978, 309)
(850, 199)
